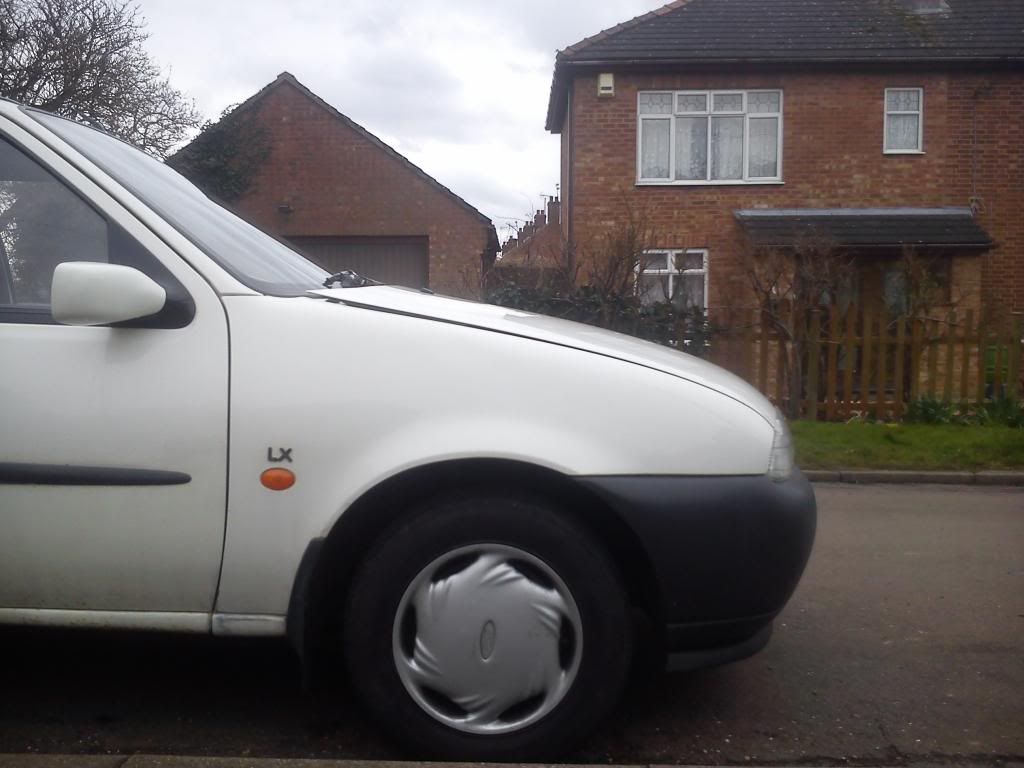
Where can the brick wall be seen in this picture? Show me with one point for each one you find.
(832, 157)
(338, 182)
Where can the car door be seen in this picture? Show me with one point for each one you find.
(113, 453)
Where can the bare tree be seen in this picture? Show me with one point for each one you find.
(788, 284)
(84, 59)
(925, 284)
(611, 262)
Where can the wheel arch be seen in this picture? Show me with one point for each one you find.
(329, 563)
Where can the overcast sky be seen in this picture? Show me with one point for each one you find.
(460, 87)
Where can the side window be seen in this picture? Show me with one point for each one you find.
(42, 223)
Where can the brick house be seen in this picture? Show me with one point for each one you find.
(880, 124)
(349, 201)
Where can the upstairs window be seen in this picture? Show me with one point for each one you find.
(904, 124)
(709, 137)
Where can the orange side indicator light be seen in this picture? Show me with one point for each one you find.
(277, 479)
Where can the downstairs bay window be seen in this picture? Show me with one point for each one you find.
(709, 137)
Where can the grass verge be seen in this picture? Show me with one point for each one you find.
(857, 445)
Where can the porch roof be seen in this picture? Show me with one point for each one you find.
(865, 227)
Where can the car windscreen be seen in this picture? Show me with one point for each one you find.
(253, 257)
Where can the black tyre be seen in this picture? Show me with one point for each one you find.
(488, 628)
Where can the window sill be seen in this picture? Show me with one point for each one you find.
(766, 183)
(903, 152)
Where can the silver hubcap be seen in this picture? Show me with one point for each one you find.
(487, 639)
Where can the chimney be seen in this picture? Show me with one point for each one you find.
(538, 220)
(554, 211)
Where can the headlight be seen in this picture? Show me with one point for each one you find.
(781, 462)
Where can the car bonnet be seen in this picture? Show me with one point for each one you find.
(427, 306)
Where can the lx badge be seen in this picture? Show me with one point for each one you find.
(284, 455)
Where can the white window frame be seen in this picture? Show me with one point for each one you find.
(920, 122)
(709, 113)
(672, 272)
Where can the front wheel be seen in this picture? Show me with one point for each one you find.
(488, 629)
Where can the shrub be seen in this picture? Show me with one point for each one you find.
(596, 284)
(662, 323)
(1001, 411)
(929, 410)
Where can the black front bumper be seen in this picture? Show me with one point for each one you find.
(726, 553)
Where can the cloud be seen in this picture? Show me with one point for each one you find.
(459, 86)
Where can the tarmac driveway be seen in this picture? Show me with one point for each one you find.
(904, 643)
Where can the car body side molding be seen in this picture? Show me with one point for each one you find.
(192, 622)
(18, 473)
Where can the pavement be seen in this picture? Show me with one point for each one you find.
(171, 761)
(903, 646)
(914, 477)
(164, 761)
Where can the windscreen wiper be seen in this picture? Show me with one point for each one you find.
(348, 278)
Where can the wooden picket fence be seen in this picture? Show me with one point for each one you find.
(862, 363)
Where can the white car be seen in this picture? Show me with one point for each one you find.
(467, 504)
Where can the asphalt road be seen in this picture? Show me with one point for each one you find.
(904, 643)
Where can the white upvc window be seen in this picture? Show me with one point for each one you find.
(677, 276)
(709, 137)
(904, 121)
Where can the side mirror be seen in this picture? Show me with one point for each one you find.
(91, 293)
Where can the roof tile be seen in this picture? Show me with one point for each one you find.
(695, 32)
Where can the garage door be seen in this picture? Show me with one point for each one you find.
(390, 260)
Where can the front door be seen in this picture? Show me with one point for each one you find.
(113, 453)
